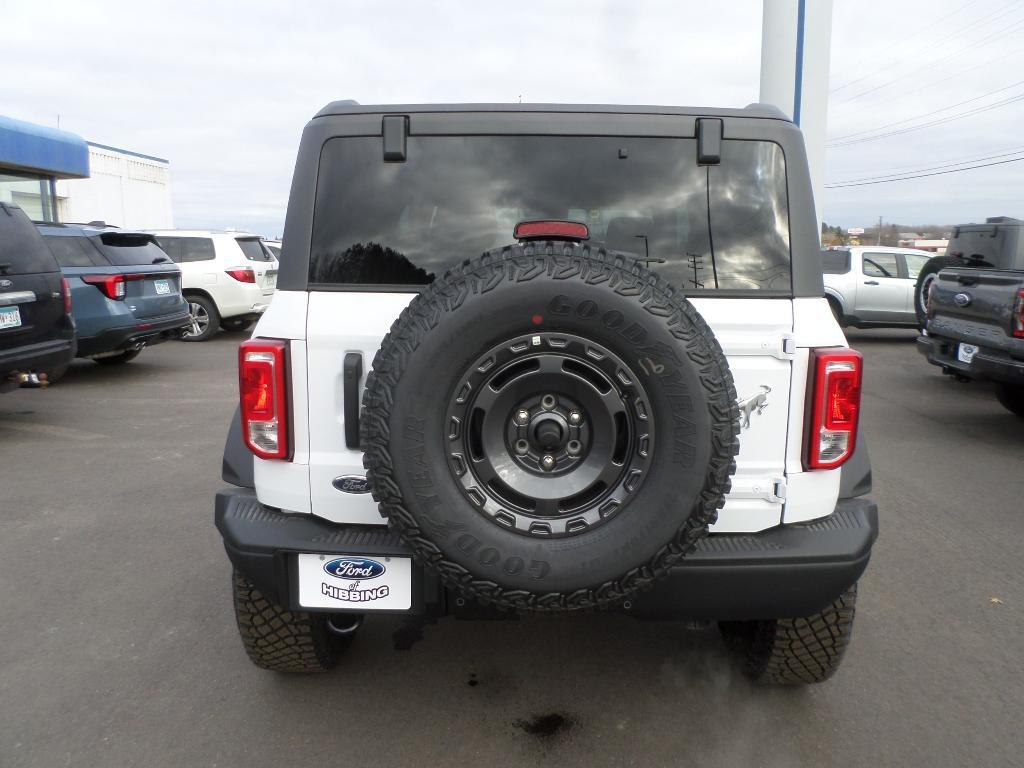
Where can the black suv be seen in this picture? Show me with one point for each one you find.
(37, 334)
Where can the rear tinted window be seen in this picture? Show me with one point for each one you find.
(701, 227)
(1000, 246)
(124, 249)
(253, 249)
(185, 249)
(835, 262)
(22, 250)
(74, 251)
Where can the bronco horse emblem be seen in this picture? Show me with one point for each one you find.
(756, 402)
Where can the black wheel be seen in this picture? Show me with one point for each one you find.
(574, 443)
(204, 317)
(925, 278)
(125, 357)
(794, 651)
(1011, 398)
(236, 324)
(278, 639)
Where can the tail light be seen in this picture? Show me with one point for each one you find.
(262, 383)
(1018, 316)
(835, 407)
(65, 294)
(243, 275)
(112, 286)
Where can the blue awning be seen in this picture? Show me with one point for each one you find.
(30, 147)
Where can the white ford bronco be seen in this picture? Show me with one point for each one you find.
(549, 359)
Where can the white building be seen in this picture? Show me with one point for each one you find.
(126, 189)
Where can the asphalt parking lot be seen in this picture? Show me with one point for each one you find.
(118, 645)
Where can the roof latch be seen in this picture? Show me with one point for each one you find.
(395, 131)
(709, 141)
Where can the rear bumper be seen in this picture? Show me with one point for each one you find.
(990, 364)
(37, 357)
(145, 332)
(790, 571)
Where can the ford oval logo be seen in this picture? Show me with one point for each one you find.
(962, 299)
(352, 484)
(354, 568)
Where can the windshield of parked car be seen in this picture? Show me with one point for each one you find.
(722, 226)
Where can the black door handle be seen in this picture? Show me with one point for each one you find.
(870, 282)
(352, 371)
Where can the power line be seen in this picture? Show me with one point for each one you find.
(987, 41)
(928, 114)
(941, 121)
(904, 40)
(922, 175)
(950, 164)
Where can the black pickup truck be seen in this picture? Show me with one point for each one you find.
(975, 310)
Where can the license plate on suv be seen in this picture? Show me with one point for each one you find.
(355, 582)
(163, 287)
(965, 353)
(10, 317)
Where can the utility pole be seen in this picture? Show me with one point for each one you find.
(879, 242)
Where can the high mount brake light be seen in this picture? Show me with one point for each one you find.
(263, 397)
(1018, 316)
(551, 230)
(835, 389)
(112, 286)
(242, 275)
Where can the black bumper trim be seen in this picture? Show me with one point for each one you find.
(789, 571)
(38, 356)
(987, 364)
(149, 332)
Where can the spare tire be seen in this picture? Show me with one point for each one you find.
(550, 426)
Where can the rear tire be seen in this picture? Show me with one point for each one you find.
(56, 374)
(925, 278)
(205, 319)
(794, 651)
(125, 357)
(837, 311)
(1011, 398)
(280, 639)
(236, 324)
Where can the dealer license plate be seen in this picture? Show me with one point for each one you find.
(965, 353)
(163, 287)
(355, 582)
(10, 317)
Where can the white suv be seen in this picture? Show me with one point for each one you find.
(227, 277)
(549, 359)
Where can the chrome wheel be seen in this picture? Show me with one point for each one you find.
(922, 298)
(199, 318)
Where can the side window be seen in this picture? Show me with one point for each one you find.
(186, 249)
(915, 264)
(74, 252)
(881, 265)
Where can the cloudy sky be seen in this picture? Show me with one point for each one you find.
(223, 89)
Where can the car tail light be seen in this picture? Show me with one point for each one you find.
(243, 275)
(263, 397)
(65, 294)
(532, 230)
(1018, 316)
(112, 286)
(835, 407)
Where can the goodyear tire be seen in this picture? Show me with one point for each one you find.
(795, 651)
(550, 427)
(282, 640)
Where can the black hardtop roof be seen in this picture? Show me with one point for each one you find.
(349, 107)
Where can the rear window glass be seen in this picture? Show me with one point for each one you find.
(186, 249)
(74, 251)
(835, 262)
(404, 224)
(123, 249)
(999, 246)
(22, 250)
(253, 249)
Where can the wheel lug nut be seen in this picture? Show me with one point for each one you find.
(522, 447)
(522, 416)
(573, 447)
(548, 402)
(575, 418)
(548, 462)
